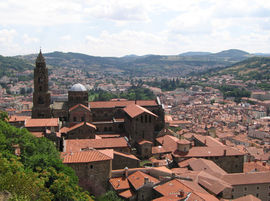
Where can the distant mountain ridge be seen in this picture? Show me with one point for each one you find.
(254, 68)
(151, 65)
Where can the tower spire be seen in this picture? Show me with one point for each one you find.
(40, 58)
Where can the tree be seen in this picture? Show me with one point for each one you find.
(38, 174)
(109, 196)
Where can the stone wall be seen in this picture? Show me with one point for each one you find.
(93, 176)
(120, 162)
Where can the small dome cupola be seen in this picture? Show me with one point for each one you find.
(78, 87)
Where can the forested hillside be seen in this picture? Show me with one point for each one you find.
(38, 172)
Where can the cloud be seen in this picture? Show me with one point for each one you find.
(27, 39)
(66, 37)
(118, 10)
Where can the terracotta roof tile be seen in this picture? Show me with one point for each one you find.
(137, 179)
(145, 142)
(247, 198)
(126, 194)
(158, 150)
(79, 105)
(134, 110)
(15, 118)
(121, 103)
(81, 124)
(84, 156)
(50, 122)
(78, 144)
(247, 178)
(119, 183)
(168, 142)
(208, 151)
(256, 166)
(126, 155)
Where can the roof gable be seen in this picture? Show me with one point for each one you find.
(84, 156)
(134, 110)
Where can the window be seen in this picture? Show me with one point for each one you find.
(145, 118)
(245, 188)
(74, 119)
(82, 118)
(105, 129)
(91, 166)
(150, 119)
(141, 119)
(232, 190)
(257, 195)
(258, 187)
(143, 134)
(40, 88)
(110, 128)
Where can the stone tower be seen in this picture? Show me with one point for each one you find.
(41, 96)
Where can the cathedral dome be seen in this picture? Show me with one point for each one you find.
(78, 87)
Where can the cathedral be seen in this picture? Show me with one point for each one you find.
(137, 120)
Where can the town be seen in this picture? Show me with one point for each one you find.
(189, 143)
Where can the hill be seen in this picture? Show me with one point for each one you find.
(9, 65)
(255, 68)
(152, 65)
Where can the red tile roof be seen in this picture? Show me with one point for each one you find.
(208, 151)
(79, 105)
(121, 103)
(81, 124)
(134, 110)
(126, 155)
(174, 187)
(84, 156)
(256, 166)
(247, 178)
(168, 142)
(137, 179)
(158, 150)
(78, 144)
(145, 142)
(126, 194)
(18, 118)
(119, 183)
(50, 122)
(208, 140)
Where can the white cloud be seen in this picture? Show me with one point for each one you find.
(120, 27)
(66, 37)
(118, 10)
(27, 39)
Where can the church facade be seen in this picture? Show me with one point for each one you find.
(137, 120)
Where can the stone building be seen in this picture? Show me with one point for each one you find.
(93, 168)
(41, 96)
(137, 120)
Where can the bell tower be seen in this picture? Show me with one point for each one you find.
(41, 96)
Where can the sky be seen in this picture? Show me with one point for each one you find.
(124, 27)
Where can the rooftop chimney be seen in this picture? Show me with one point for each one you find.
(225, 152)
(146, 180)
(126, 172)
(181, 193)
